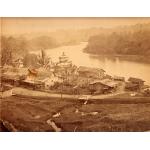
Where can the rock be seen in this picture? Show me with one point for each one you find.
(53, 125)
(94, 113)
(85, 102)
(91, 113)
(37, 117)
(77, 110)
(56, 115)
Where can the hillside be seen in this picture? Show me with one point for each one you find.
(133, 40)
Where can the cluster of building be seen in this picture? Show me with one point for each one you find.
(67, 76)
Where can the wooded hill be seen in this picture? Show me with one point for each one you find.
(132, 40)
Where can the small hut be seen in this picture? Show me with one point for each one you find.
(91, 72)
(103, 86)
(137, 81)
(134, 84)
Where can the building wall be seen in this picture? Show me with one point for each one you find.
(138, 85)
(31, 77)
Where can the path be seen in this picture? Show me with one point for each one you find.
(27, 92)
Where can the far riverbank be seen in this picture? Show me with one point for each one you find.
(134, 58)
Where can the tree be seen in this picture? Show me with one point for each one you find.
(11, 48)
(6, 50)
(6, 57)
(30, 60)
(127, 42)
(44, 60)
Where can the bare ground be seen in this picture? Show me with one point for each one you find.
(113, 114)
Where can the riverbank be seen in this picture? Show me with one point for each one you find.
(113, 65)
(134, 58)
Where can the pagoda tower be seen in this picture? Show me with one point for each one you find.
(64, 61)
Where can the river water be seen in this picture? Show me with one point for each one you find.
(112, 65)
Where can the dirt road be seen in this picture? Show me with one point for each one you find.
(27, 92)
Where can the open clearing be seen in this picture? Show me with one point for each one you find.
(112, 114)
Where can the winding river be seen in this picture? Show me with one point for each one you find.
(112, 65)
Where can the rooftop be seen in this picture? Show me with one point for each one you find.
(5, 88)
(33, 71)
(135, 79)
(107, 82)
(87, 69)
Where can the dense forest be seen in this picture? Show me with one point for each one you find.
(133, 40)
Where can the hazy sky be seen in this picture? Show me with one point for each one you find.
(28, 25)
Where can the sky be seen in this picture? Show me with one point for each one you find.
(29, 25)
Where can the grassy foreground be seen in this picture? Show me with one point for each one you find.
(113, 114)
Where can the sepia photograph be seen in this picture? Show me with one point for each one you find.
(74, 74)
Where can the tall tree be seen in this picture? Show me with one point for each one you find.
(44, 60)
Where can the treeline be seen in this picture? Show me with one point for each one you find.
(12, 47)
(15, 47)
(132, 41)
